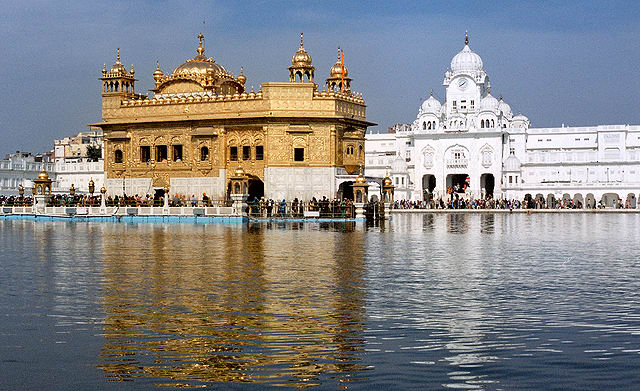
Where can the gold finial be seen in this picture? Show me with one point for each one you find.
(200, 48)
(242, 69)
(252, 89)
(157, 65)
(301, 39)
(489, 88)
(500, 96)
(466, 37)
(132, 70)
(431, 93)
(118, 56)
(339, 50)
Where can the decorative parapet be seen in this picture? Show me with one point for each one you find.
(191, 97)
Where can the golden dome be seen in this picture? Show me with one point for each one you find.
(361, 178)
(387, 181)
(103, 190)
(336, 69)
(301, 58)
(43, 175)
(200, 65)
(118, 68)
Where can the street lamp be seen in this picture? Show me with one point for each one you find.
(72, 190)
(92, 187)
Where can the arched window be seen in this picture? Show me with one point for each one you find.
(493, 124)
(482, 123)
(424, 126)
(204, 154)
(360, 151)
(118, 156)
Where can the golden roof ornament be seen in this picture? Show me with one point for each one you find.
(241, 77)
(431, 93)
(43, 175)
(466, 37)
(361, 178)
(301, 57)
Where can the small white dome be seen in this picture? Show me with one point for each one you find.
(520, 121)
(488, 103)
(466, 60)
(511, 163)
(431, 106)
(399, 166)
(505, 108)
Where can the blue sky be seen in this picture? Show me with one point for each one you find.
(556, 62)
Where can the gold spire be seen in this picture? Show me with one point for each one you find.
(431, 93)
(200, 48)
(466, 37)
(118, 57)
(301, 40)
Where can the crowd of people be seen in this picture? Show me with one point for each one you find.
(15, 201)
(491, 203)
(267, 207)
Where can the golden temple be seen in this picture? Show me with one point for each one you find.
(201, 124)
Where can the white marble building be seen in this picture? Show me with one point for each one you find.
(21, 168)
(472, 143)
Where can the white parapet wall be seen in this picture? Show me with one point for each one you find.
(303, 183)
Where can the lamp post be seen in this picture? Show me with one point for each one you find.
(92, 187)
(103, 202)
(72, 190)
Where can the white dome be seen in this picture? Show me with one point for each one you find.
(466, 60)
(505, 108)
(399, 166)
(488, 103)
(511, 163)
(431, 106)
(520, 121)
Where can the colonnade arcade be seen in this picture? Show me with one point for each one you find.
(607, 199)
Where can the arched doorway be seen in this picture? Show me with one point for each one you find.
(590, 201)
(610, 200)
(566, 199)
(256, 189)
(487, 183)
(428, 185)
(631, 200)
(345, 190)
(578, 201)
(458, 182)
(551, 201)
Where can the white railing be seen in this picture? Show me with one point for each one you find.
(457, 163)
(97, 211)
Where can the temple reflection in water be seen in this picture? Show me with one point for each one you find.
(220, 305)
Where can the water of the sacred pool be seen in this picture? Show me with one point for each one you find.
(425, 301)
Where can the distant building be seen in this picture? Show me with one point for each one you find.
(74, 165)
(77, 146)
(21, 168)
(474, 145)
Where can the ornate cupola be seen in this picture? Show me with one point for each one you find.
(301, 66)
(117, 80)
(338, 79)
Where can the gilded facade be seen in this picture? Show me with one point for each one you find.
(201, 124)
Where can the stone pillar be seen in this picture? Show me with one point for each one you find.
(103, 201)
(165, 199)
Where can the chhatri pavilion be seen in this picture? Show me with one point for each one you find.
(201, 124)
